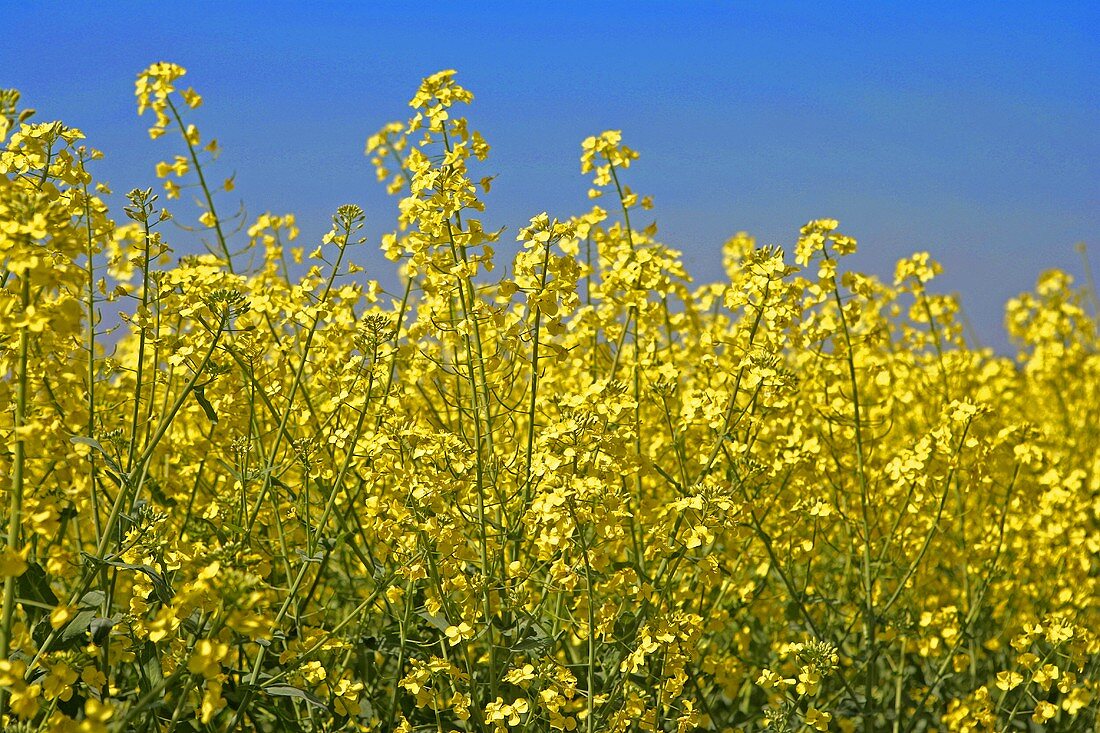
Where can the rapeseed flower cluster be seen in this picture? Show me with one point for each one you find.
(554, 484)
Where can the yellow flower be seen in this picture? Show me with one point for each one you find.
(24, 699)
(58, 683)
(817, 719)
(62, 615)
(212, 701)
(345, 697)
(93, 678)
(206, 658)
(191, 97)
(1009, 680)
(1044, 711)
(521, 675)
(456, 634)
(13, 563)
(809, 681)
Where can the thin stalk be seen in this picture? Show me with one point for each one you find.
(280, 433)
(15, 510)
(127, 486)
(91, 359)
(143, 315)
(205, 189)
(869, 626)
(19, 450)
(590, 666)
(534, 383)
(483, 538)
(321, 523)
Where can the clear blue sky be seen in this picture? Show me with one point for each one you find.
(968, 129)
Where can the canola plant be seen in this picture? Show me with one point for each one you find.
(554, 484)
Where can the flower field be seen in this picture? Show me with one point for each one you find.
(553, 484)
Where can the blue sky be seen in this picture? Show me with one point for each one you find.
(966, 129)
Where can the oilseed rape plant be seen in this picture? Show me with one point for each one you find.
(553, 484)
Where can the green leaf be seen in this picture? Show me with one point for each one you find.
(100, 628)
(75, 633)
(291, 691)
(34, 585)
(150, 663)
(98, 447)
(90, 442)
(93, 599)
(437, 621)
(200, 397)
(319, 557)
(158, 493)
(163, 591)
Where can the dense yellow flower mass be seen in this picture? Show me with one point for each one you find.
(552, 485)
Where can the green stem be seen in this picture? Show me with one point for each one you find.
(280, 433)
(590, 667)
(869, 625)
(91, 359)
(142, 316)
(205, 189)
(128, 486)
(534, 383)
(15, 511)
